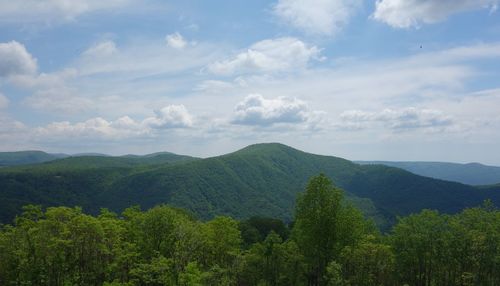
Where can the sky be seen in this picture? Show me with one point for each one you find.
(364, 80)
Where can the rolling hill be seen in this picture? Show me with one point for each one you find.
(471, 173)
(26, 158)
(262, 179)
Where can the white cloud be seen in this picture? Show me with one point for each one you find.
(413, 13)
(176, 41)
(102, 49)
(140, 59)
(93, 128)
(4, 101)
(397, 119)
(50, 91)
(15, 60)
(9, 126)
(213, 86)
(171, 116)
(58, 99)
(272, 55)
(43, 80)
(322, 17)
(33, 11)
(259, 111)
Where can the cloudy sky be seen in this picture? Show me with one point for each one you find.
(385, 79)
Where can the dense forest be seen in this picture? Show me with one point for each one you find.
(329, 243)
(261, 179)
(475, 174)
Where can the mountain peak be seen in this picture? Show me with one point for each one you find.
(267, 147)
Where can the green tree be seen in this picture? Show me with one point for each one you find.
(324, 225)
(420, 245)
(158, 272)
(334, 275)
(368, 263)
(221, 253)
(191, 276)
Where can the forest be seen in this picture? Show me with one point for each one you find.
(329, 242)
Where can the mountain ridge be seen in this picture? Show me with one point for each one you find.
(468, 173)
(260, 179)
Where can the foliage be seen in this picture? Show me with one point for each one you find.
(260, 180)
(470, 174)
(330, 244)
(25, 158)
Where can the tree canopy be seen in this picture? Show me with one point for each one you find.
(329, 243)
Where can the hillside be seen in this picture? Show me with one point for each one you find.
(26, 158)
(470, 174)
(261, 179)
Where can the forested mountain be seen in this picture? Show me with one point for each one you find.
(86, 160)
(471, 173)
(261, 179)
(329, 243)
(26, 158)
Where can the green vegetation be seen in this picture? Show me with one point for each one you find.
(262, 180)
(330, 243)
(26, 158)
(471, 174)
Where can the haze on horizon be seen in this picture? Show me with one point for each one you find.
(364, 80)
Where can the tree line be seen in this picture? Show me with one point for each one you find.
(329, 243)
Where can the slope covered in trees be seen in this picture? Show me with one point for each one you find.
(26, 158)
(471, 173)
(330, 243)
(261, 179)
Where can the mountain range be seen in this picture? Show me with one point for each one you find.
(261, 179)
(470, 173)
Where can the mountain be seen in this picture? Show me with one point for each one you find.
(262, 179)
(26, 158)
(471, 173)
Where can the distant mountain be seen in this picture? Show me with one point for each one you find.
(262, 179)
(90, 154)
(471, 174)
(92, 162)
(31, 159)
(26, 158)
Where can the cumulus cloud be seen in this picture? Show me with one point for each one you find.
(102, 49)
(50, 91)
(33, 11)
(93, 128)
(413, 13)
(171, 116)
(16, 60)
(397, 120)
(322, 17)
(176, 41)
(272, 55)
(4, 101)
(259, 111)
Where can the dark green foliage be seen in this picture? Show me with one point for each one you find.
(26, 158)
(470, 174)
(324, 226)
(262, 179)
(434, 249)
(256, 229)
(331, 244)
(368, 262)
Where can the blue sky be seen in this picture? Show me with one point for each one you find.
(386, 79)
